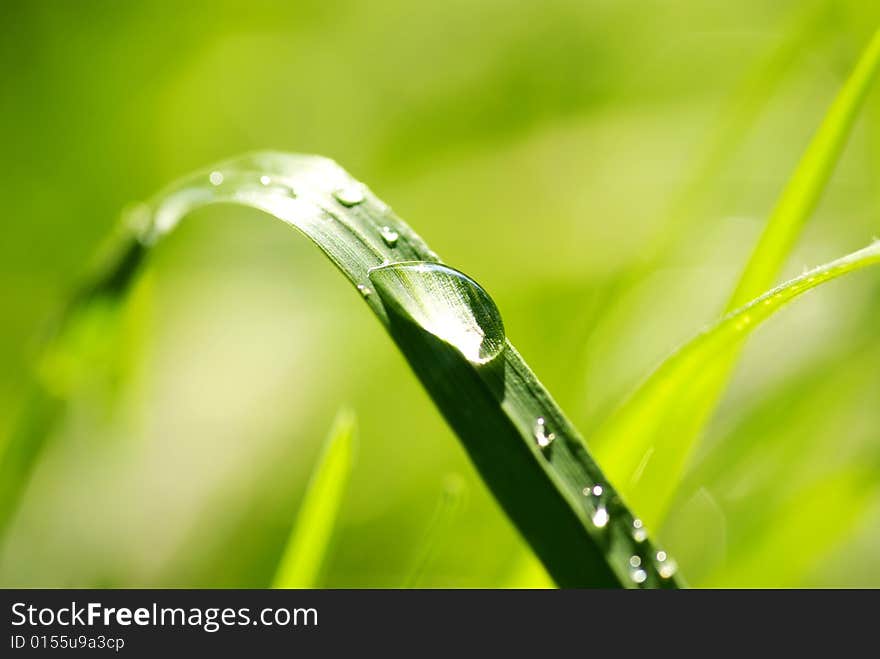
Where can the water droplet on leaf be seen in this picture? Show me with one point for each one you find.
(350, 195)
(542, 435)
(446, 303)
(639, 532)
(639, 576)
(389, 235)
(600, 517)
(216, 178)
(666, 566)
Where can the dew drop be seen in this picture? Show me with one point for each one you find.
(444, 302)
(639, 576)
(666, 566)
(350, 195)
(265, 180)
(600, 517)
(389, 235)
(635, 561)
(639, 532)
(364, 290)
(597, 490)
(216, 178)
(542, 435)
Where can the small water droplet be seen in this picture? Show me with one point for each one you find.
(350, 195)
(446, 303)
(598, 490)
(639, 576)
(600, 517)
(639, 532)
(635, 561)
(265, 180)
(389, 235)
(666, 566)
(216, 178)
(364, 290)
(542, 435)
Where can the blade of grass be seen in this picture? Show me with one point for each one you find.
(804, 189)
(302, 560)
(531, 457)
(67, 354)
(663, 415)
(816, 521)
(646, 444)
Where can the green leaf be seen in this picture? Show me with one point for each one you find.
(300, 565)
(449, 329)
(646, 444)
(660, 410)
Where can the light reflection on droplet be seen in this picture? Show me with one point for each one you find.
(216, 178)
(600, 517)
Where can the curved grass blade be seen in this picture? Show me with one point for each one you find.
(646, 444)
(804, 189)
(660, 405)
(531, 457)
(300, 565)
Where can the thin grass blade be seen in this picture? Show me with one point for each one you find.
(304, 556)
(646, 444)
(664, 412)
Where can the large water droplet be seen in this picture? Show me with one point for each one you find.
(445, 302)
(389, 235)
(350, 195)
(542, 435)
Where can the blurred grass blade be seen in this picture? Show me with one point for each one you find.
(801, 533)
(663, 416)
(447, 509)
(449, 329)
(300, 565)
(73, 351)
(528, 573)
(646, 444)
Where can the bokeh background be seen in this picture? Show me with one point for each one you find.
(549, 149)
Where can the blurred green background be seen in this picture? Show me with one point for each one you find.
(547, 149)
